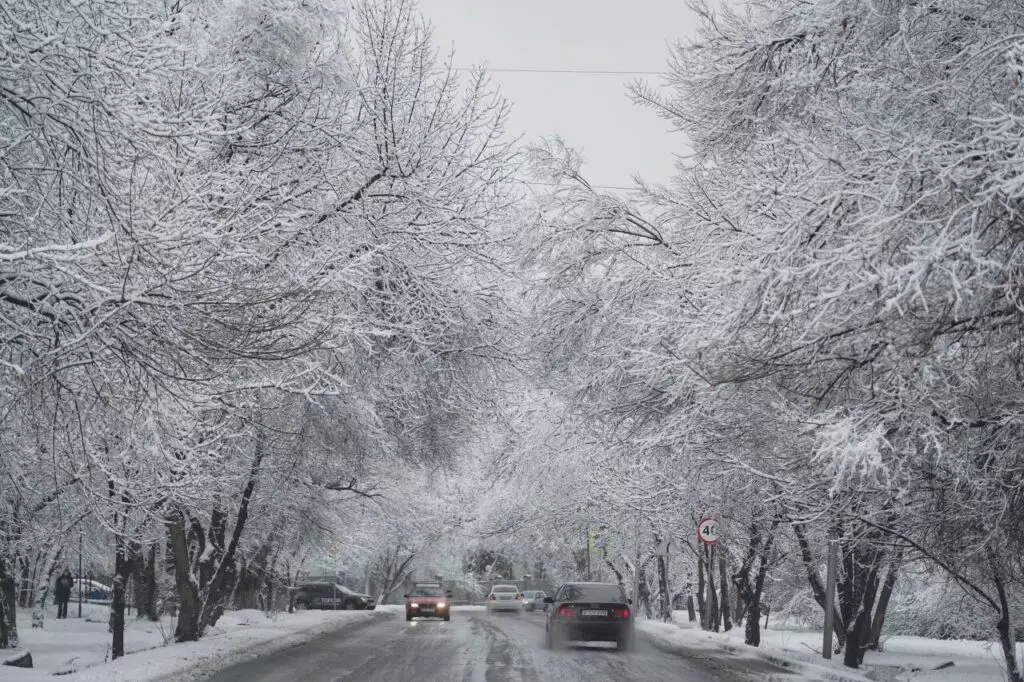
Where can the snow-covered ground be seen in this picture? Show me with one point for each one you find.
(903, 659)
(82, 645)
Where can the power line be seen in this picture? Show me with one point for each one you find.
(566, 71)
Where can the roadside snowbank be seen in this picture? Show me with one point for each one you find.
(903, 659)
(684, 639)
(82, 646)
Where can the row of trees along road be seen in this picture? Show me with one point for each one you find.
(814, 331)
(242, 243)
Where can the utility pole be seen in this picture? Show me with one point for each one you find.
(830, 595)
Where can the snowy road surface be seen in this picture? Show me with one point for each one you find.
(477, 647)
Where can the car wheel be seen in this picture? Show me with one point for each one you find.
(301, 606)
(551, 641)
(447, 617)
(627, 642)
(408, 616)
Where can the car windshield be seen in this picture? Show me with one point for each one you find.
(595, 593)
(427, 592)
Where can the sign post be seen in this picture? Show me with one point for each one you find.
(707, 535)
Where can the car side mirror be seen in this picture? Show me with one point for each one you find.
(448, 594)
(405, 596)
(549, 600)
(629, 601)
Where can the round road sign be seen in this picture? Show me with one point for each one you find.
(707, 530)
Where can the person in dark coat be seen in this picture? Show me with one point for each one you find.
(63, 593)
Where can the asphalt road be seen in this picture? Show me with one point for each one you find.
(476, 647)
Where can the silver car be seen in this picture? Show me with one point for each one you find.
(533, 600)
(505, 598)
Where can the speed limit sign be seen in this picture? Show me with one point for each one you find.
(707, 530)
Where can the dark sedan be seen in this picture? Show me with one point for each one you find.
(589, 612)
(326, 595)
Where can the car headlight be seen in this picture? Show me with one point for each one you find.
(441, 605)
(414, 605)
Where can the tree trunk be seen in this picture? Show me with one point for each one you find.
(137, 566)
(8, 606)
(185, 584)
(122, 573)
(723, 583)
(691, 615)
(42, 590)
(752, 630)
(618, 574)
(214, 546)
(645, 594)
(864, 588)
(222, 583)
(883, 601)
(664, 598)
(270, 583)
(26, 593)
(1004, 626)
(814, 579)
(148, 586)
(713, 620)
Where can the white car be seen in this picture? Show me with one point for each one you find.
(505, 598)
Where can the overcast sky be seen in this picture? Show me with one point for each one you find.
(592, 112)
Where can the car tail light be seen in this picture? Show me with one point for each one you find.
(621, 613)
(518, 596)
(491, 596)
(566, 612)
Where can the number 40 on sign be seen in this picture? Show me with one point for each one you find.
(707, 530)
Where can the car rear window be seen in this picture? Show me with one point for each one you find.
(317, 588)
(504, 588)
(595, 593)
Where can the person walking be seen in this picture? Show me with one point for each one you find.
(63, 592)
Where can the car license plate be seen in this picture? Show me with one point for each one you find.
(426, 608)
(593, 612)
